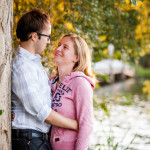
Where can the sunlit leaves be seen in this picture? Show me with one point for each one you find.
(103, 37)
(134, 2)
(98, 22)
(146, 88)
(61, 6)
(68, 25)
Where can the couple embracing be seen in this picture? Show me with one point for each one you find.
(50, 113)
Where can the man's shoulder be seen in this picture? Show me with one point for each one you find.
(20, 63)
(18, 58)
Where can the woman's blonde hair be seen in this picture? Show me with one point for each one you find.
(84, 55)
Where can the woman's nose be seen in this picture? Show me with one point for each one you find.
(59, 48)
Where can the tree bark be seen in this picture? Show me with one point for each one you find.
(6, 23)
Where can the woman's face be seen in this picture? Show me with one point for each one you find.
(64, 53)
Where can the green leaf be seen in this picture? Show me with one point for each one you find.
(134, 2)
(115, 147)
(1, 112)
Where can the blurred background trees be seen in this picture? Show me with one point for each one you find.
(124, 23)
(102, 22)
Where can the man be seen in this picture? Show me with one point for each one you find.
(31, 93)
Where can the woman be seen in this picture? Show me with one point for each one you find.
(72, 93)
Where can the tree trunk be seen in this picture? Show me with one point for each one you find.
(6, 23)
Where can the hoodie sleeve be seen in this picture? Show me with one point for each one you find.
(84, 112)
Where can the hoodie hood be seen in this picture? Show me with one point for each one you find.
(73, 75)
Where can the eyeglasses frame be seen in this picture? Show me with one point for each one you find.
(49, 36)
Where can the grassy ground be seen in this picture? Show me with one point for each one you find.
(142, 72)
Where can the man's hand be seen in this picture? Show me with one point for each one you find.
(12, 116)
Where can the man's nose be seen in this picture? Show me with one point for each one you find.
(48, 41)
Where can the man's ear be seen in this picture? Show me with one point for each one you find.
(33, 36)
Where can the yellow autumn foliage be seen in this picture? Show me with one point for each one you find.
(146, 88)
(103, 37)
(142, 29)
(68, 25)
(105, 52)
(61, 6)
(65, 17)
(142, 53)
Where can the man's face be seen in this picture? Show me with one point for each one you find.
(42, 42)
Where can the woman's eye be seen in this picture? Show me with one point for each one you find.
(65, 47)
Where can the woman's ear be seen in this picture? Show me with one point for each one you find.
(76, 59)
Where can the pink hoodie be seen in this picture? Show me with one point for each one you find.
(74, 99)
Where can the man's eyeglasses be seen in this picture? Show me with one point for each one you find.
(48, 36)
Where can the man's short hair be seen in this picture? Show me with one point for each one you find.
(32, 21)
